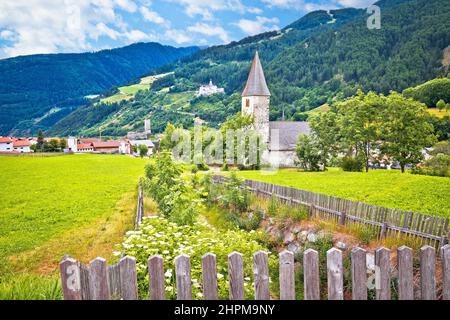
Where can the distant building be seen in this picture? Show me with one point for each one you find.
(22, 145)
(6, 144)
(137, 143)
(209, 90)
(85, 147)
(106, 146)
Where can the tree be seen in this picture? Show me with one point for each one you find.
(406, 130)
(308, 153)
(143, 150)
(62, 144)
(440, 105)
(166, 142)
(359, 122)
(40, 140)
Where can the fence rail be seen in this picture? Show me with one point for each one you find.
(100, 282)
(426, 229)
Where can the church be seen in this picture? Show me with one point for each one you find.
(279, 136)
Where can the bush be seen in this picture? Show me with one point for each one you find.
(236, 197)
(436, 166)
(176, 198)
(158, 236)
(352, 164)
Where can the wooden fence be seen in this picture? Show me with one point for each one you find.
(140, 207)
(425, 229)
(100, 282)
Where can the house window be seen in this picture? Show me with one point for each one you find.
(247, 103)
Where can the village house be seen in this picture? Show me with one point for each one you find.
(6, 144)
(22, 145)
(85, 147)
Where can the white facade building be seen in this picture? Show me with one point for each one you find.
(209, 90)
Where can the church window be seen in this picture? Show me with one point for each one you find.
(247, 103)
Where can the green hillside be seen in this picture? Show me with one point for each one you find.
(322, 57)
(31, 86)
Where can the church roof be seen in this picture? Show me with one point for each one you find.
(288, 132)
(256, 83)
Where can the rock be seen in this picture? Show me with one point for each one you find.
(370, 261)
(293, 247)
(341, 245)
(288, 237)
(312, 237)
(296, 229)
(302, 236)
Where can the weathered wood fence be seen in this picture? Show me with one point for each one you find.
(100, 282)
(425, 229)
(140, 207)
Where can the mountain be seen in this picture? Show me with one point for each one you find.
(322, 57)
(38, 90)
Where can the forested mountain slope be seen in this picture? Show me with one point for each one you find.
(38, 90)
(322, 57)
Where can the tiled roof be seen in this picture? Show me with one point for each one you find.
(106, 144)
(89, 140)
(256, 82)
(288, 132)
(21, 143)
(5, 140)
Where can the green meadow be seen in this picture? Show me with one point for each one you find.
(75, 204)
(388, 188)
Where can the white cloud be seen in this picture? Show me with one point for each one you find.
(306, 6)
(151, 16)
(178, 36)
(206, 8)
(261, 24)
(211, 31)
(356, 3)
(127, 5)
(53, 26)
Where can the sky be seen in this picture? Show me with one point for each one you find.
(57, 26)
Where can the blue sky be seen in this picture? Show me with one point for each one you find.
(54, 26)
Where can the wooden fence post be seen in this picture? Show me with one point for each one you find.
(342, 218)
(261, 275)
(98, 280)
(183, 277)
(359, 274)
(236, 274)
(115, 288)
(156, 278)
(287, 275)
(382, 274)
(445, 254)
(128, 278)
(405, 273)
(335, 274)
(209, 276)
(427, 273)
(311, 275)
(383, 230)
(70, 279)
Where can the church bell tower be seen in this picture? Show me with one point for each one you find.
(256, 99)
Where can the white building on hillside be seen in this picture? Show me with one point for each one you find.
(209, 90)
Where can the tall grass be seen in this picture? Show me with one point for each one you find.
(30, 287)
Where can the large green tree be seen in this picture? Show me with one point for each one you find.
(406, 130)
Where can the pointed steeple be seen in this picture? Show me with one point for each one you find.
(256, 83)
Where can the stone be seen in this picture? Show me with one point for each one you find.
(293, 247)
(303, 235)
(296, 229)
(341, 245)
(370, 261)
(312, 237)
(288, 237)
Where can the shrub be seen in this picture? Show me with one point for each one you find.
(435, 166)
(177, 200)
(158, 236)
(353, 164)
(236, 197)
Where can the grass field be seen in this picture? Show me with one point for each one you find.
(79, 205)
(391, 189)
